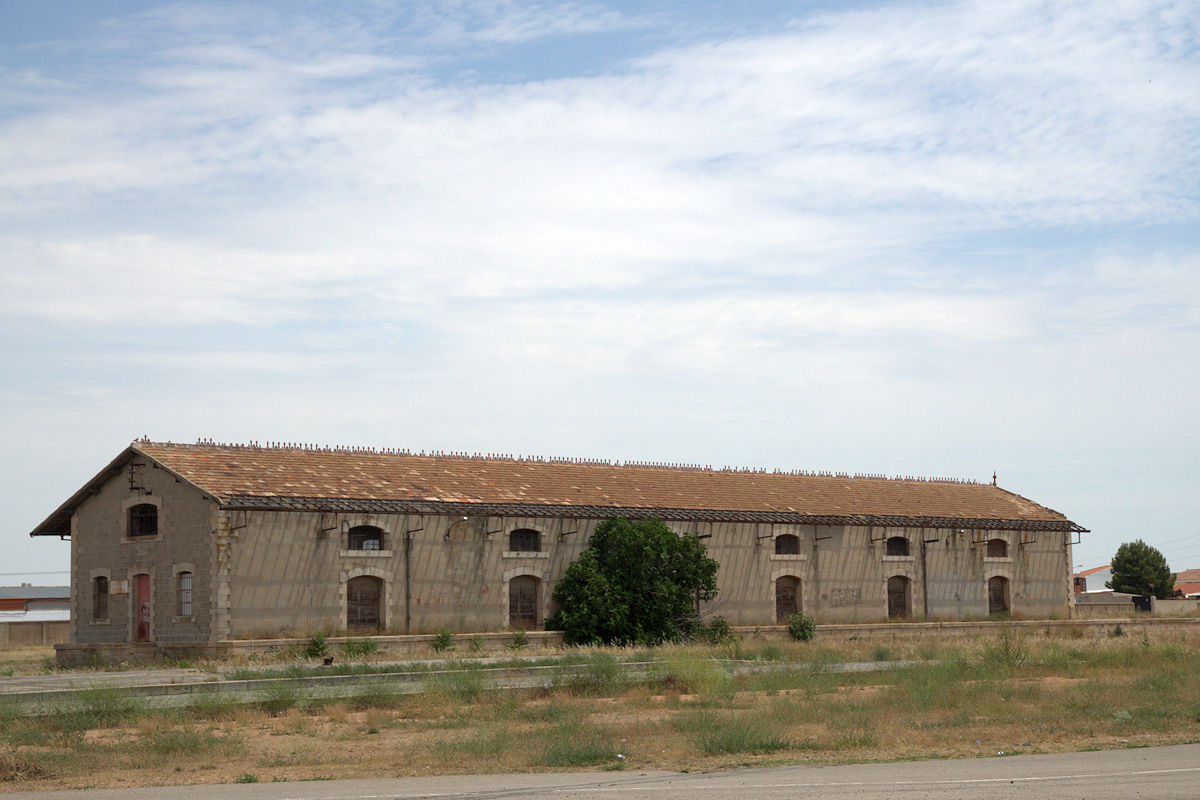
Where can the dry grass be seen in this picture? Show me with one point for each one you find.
(26, 659)
(1004, 694)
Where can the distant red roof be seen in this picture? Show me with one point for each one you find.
(1188, 581)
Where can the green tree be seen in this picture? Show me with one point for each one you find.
(637, 583)
(1138, 568)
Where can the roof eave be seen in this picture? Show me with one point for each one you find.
(414, 506)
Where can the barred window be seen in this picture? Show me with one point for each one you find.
(897, 546)
(997, 548)
(525, 540)
(143, 520)
(184, 583)
(365, 537)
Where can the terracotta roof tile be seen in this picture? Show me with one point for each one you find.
(227, 471)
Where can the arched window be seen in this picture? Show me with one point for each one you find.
(364, 601)
(523, 602)
(143, 520)
(897, 590)
(183, 590)
(100, 598)
(998, 596)
(897, 546)
(525, 540)
(997, 548)
(365, 537)
(787, 598)
(787, 545)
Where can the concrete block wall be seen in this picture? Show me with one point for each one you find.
(100, 546)
(33, 634)
(288, 571)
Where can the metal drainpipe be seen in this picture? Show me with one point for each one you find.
(924, 578)
(408, 583)
(924, 572)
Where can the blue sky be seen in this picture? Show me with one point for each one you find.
(938, 239)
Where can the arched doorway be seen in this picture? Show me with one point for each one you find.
(364, 603)
(897, 590)
(998, 595)
(523, 602)
(787, 598)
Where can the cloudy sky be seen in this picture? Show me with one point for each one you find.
(915, 238)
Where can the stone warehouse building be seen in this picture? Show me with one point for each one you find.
(202, 543)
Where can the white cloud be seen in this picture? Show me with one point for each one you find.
(916, 231)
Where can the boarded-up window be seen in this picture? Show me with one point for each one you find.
(365, 537)
(897, 546)
(998, 595)
(897, 588)
(523, 602)
(787, 545)
(787, 598)
(184, 590)
(525, 540)
(364, 596)
(143, 520)
(100, 598)
(997, 548)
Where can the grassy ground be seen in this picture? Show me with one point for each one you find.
(1001, 695)
(24, 660)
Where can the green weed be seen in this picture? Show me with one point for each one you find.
(577, 742)
(724, 734)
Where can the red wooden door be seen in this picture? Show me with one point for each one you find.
(142, 604)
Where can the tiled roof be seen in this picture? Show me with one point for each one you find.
(1188, 581)
(304, 477)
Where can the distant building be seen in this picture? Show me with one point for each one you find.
(1093, 580)
(203, 543)
(1187, 583)
(35, 598)
(34, 615)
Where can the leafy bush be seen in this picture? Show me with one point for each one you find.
(638, 582)
(443, 641)
(359, 647)
(519, 640)
(802, 627)
(318, 646)
(715, 632)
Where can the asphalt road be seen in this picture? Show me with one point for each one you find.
(1163, 773)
